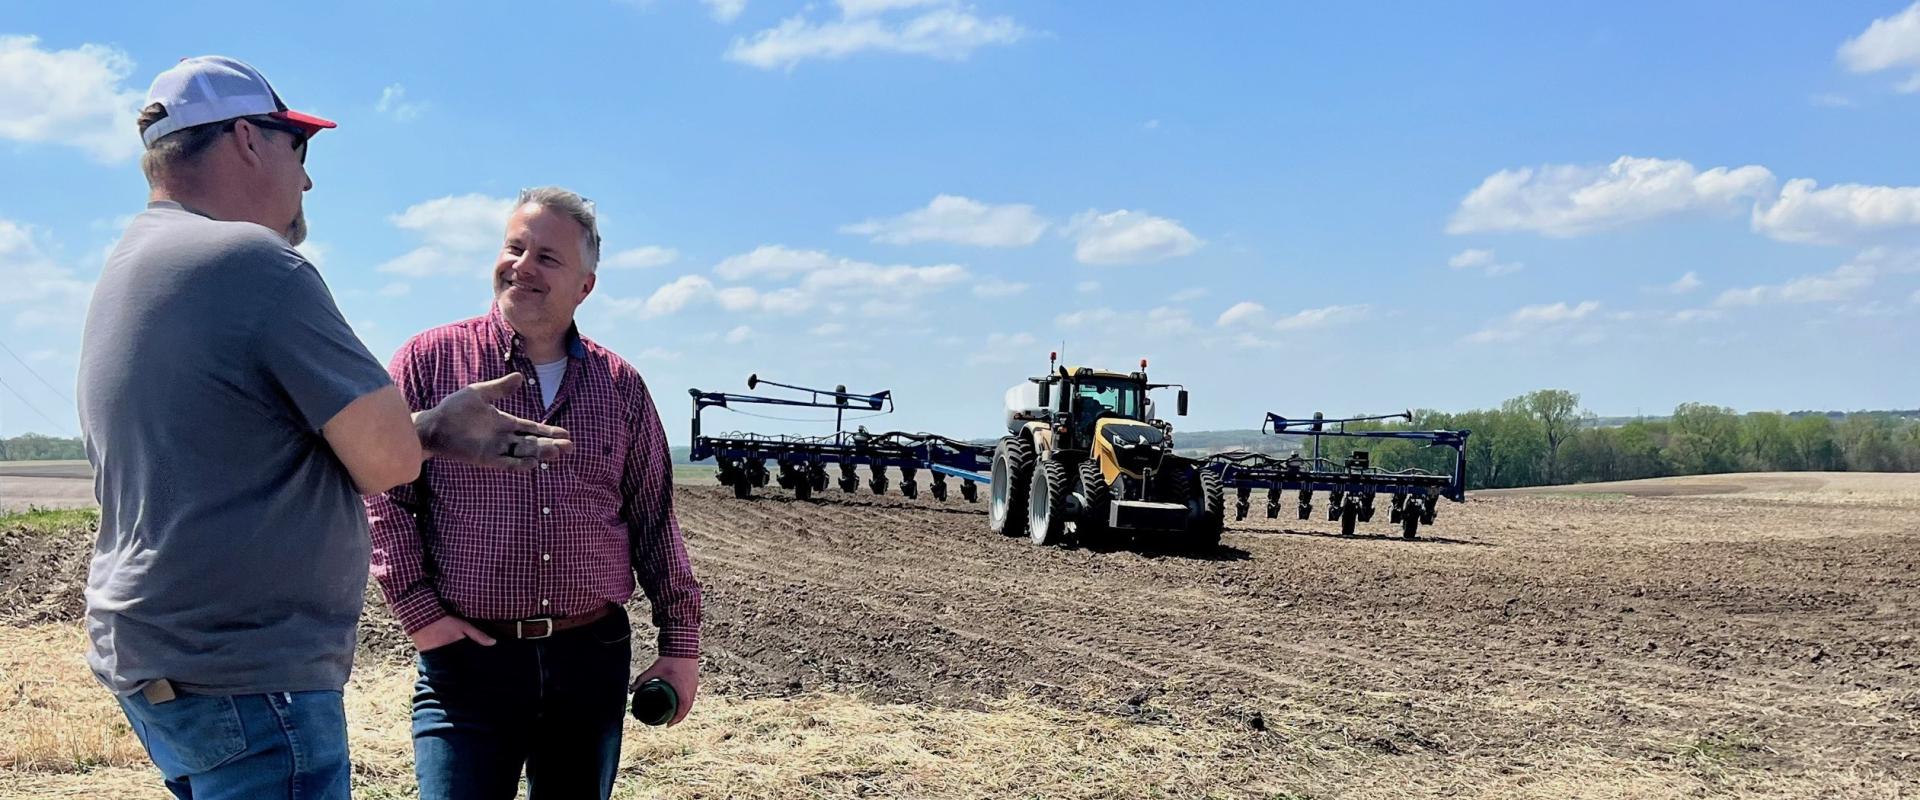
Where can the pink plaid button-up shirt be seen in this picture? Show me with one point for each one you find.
(557, 541)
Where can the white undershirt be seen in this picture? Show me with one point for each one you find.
(550, 377)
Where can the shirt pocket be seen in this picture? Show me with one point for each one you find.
(599, 454)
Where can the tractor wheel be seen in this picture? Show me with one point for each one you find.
(802, 488)
(1092, 527)
(742, 489)
(1213, 512)
(1409, 523)
(1047, 503)
(970, 491)
(1012, 470)
(819, 479)
(1348, 517)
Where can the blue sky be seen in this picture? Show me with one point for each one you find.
(1286, 207)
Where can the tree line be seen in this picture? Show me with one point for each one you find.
(41, 447)
(1545, 437)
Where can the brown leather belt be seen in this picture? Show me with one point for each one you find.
(539, 627)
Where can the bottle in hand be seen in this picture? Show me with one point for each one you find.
(655, 702)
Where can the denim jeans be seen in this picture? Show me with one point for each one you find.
(554, 706)
(243, 747)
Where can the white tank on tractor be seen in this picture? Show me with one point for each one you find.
(1023, 405)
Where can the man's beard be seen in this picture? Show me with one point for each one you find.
(297, 232)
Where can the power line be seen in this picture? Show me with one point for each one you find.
(43, 381)
(29, 404)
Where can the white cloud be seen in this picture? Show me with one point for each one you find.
(393, 103)
(948, 31)
(676, 295)
(1242, 313)
(1557, 312)
(998, 288)
(1187, 295)
(1094, 316)
(739, 334)
(1695, 315)
(1836, 214)
(461, 232)
(959, 220)
(1570, 200)
(1484, 261)
(1541, 322)
(1887, 43)
(828, 329)
(1162, 319)
(1087, 287)
(1685, 284)
(71, 97)
(1910, 85)
(48, 294)
(1323, 317)
(657, 354)
(1002, 348)
(725, 11)
(315, 252)
(824, 280)
(1129, 237)
(395, 289)
(1831, 101)
(1840, 284)
(772, 261)
(641, 258)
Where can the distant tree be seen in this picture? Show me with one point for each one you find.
(1705, 439)
(40, 447)
(1555, 413)
(1765, 444)
(1866, 443)
(1814, 446)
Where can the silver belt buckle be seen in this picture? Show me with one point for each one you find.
(519, 628)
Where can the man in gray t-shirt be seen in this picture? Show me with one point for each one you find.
(233, 421)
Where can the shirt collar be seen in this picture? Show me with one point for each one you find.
(509, 338)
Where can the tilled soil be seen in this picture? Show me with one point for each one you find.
(1775, 634)
(1770, 634)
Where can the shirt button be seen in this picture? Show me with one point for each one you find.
(543, 465)
(543, 603)
(546, 556)
(545, 510)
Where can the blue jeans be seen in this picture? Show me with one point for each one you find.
(553, 706)
(242, 747)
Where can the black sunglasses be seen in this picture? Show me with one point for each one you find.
(300, 135)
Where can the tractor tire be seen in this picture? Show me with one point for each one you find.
(1012, 471)
(1092, 527)
(802, 488)
(1047, 503)
(1213, 512)
(1409, 523)
(742, 489)
(819, 481)
(1349, 516)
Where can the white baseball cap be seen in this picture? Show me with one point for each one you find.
(206, 89)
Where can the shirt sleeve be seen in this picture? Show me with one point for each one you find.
(399, 557)
(659, 553)
(307, 349)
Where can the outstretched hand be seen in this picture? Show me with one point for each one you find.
(466, 427)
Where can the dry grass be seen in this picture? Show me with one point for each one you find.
(62, 736)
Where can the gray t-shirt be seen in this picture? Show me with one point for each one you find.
(232, 554)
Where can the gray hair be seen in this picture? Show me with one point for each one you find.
(580, 209)
(174, 152)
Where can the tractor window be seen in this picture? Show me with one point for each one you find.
(1121, 399)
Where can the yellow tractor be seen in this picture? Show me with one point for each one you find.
(1086, 458)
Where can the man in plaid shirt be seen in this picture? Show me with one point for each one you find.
(512, 585)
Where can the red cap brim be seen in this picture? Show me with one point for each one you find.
(310, 122)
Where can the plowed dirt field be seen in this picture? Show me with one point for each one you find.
(1746, 635)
